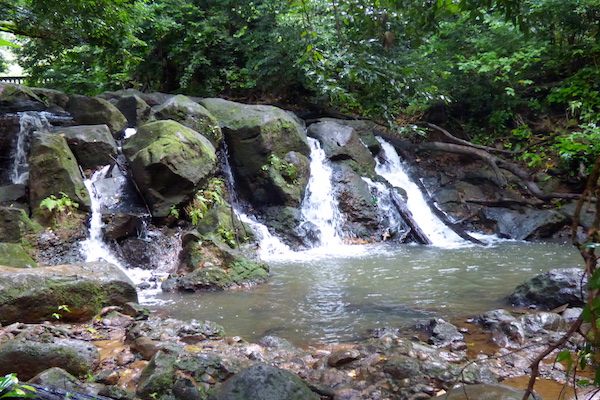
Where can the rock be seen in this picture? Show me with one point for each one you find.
(146, 347)
(191, 114)
(58, 378)
(51, 97)
(17, 98)
(159, 375)
(525, 223)
(92, 145)
(266, 383)
(96, 111)
(136, 310)
(342, 356)
(169, 163)
(206, 367)
(28, 295)
(486, 392)
(28, 357)
(14, 224)
(122, 226)
(135, 109)
(441, 333)
(260, 137)
(367, 131)
(552, 289)
(14, 255)
(53, 169)
(539, 323)
(342, 143)
(277, 343)
(402, 367)
(509, 334)
(194, 331)
(13, 193)
(489, 318)
(152, 99)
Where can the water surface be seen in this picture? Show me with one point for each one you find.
(316, 298)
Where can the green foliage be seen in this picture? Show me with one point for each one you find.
(13, 388)
(60, 309)
(64, 204)
(288, 171)
(205, 199)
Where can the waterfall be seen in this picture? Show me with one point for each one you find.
(319, 206)
(393, 170)
(29, 122)
(269, 245)
(94, 248)
(389, 218)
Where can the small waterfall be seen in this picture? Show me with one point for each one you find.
(94, 248)
(319, 206)
(394, 171)
(269, 245)
(29, 122)
(389, 217)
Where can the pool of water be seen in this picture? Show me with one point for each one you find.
(316, 298)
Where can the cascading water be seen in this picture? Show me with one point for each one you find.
(29, 122)
(269, 245)
(393, 170)
(389, 217)
(107, 189)
(319, 206)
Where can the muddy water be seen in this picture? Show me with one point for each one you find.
(321, 299)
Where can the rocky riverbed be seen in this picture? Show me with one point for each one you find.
(127, 353)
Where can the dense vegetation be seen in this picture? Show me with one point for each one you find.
(510, 72)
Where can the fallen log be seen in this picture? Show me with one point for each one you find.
(53, 393)
(415, 231)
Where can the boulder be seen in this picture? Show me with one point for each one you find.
(441, 333)
(28, 295)
(191, 114)
(92, 145)
(525, 223)
(159, 375)
(11, 194)
(14, 255)
(342, 143)
(135, 109)
(259, 138)
(367, 131)
(96, 111)
(152, 99)
(552, 289)
(51, 97)
(266, 383)
(53, 169)
(28, 355)
(14, 224)
(18, 98)
(169, 162)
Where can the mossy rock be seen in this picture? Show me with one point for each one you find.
(34, 295)
(191, 114)
(14, 255)
(169, 162)
(254, 135)
(88, 110)
(14, 224)
(223, 225)
(54, 169)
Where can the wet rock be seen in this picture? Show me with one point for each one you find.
(525, 223)
(278, 344)
(10, 194)
(33, 295)
(53, 169)
(402, 367)
(28, 357)
(158, 377)
(169, 163)
(135, 110)
(441, 333)
(552, 289)
(136, 310)
(92, 145)
(14, 255)
(58, 378)
(342, 143)
(191, 114)
(122, 226)
(146, 347)
(17, 98)
(489, 318)
(572, 314)
(14, 224)
(342, 356)
(509, 334)
(260, 139)
(96, 111)
(266, 383)
(486, 392)
(543, 322)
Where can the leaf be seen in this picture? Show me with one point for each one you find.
(590, 245)
(594, 282)
(8, 44)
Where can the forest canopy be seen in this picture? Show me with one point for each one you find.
(503, 72)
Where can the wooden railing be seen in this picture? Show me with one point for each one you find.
(12, 79)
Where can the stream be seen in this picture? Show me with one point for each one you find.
(319, 298)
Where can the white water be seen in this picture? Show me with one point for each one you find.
(94, 248)
(269, 245)
(394, 171)
(29, 122)
(319, 206)
(389, 217)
